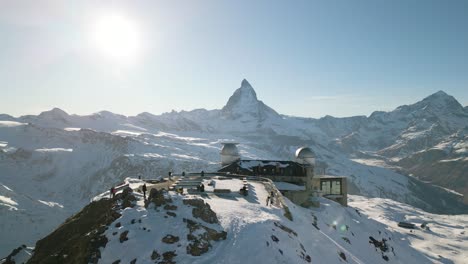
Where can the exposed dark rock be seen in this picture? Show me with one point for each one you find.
(128, 201)
(359, 213)
(382, 245)
(118, 224)
(200, 243)
(8, 259)
(123, 236)
(155, 255)
(170, 239)
(287, 213)
(132, 222)
(170, 207)
(280, 251)
(156, 197)
(126, 197)
(116, 262)
(308, 259)
(133, 261)
(342, 255)
(171, 214)
(286, 229)
(202, 210)
(167, 257)
(80, 237)
(274, 238)
(346, 240)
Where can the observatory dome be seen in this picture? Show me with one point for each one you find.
(230, 149)
(305, 155)
(229, 153)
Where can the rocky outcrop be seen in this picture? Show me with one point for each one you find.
(200, 237)
(170, 239)
(78, 239)
(157, 198)
(202, 210)
(10, 258)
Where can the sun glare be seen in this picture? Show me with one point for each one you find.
(117, 37)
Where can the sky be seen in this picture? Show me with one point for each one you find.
(303, 58)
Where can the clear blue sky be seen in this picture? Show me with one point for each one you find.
(304, 58)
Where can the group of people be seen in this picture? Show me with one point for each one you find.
(113, 191)
(270, 198)
(201, 187)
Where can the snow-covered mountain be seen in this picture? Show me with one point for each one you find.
(244, 105)
(231, 228)
(61, 161)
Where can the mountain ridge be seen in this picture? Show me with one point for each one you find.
(72, 157)
(247, 88)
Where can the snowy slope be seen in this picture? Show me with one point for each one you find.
(67, 159)
(444, 242)
(256, 233)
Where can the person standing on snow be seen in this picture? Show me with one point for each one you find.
(144, 191)
(268, 200)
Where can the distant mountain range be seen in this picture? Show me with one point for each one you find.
(59, 161)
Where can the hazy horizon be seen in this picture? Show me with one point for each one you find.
(304, 58)
(188, 110)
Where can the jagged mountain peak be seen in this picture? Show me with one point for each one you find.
(246, 84)
(246, 91)
(439, 102)
(440, 96)
(244, 102)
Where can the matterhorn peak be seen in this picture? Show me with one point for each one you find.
(242, 97)
(247, 91)
(244, 102)
(246, 84)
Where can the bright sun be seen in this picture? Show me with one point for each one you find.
(117, 37)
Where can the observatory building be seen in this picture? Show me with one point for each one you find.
(295, 179)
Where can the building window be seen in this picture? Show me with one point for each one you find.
(331, 187)
(325, 187)
(336, 187)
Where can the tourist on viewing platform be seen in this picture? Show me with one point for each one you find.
(112, 192)
(144, 191)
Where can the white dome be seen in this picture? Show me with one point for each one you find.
(230, 149)
(304, 152)
(229, 154)
(305, 155)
